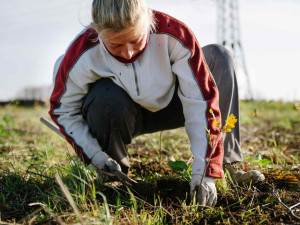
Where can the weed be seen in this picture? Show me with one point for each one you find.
(182, 169)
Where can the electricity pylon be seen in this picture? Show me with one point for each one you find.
(228, 35)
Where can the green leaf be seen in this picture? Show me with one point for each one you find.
(178, 165)
(265, 162)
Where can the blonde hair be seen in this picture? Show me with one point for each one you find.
(121, 15)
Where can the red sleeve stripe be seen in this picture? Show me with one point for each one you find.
(83, 43)
(170, 26)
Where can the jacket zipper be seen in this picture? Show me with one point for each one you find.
(136, 80)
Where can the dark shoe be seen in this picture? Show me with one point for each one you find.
(241, 177)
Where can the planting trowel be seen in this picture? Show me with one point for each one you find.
(113, 173)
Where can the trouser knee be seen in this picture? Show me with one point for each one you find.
(109, 111)
(221, 63)
(218, 52)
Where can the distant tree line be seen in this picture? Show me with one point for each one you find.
(30, 96)
(35, 93)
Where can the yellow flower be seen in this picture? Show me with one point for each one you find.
(226, 129)
(208, 136)
(216, 123)
(231, 120)
(215, 120)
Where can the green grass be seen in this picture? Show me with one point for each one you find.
(34, 160)
(275, 114)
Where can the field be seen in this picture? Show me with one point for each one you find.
(42, 182)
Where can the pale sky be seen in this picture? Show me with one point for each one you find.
(35, 32)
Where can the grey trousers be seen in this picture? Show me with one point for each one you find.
(115, 119)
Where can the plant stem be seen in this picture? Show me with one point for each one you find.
(212, 150)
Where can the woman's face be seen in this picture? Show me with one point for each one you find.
(125, 45)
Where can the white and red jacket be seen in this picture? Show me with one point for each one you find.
(172, 51)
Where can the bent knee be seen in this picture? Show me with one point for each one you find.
(107, 107)
(105, 98)
(220, 63)
(218, 52)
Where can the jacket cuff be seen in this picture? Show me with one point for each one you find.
(214, 170)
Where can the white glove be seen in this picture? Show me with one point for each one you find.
(99, 160)
(102, 161)
(206, 195)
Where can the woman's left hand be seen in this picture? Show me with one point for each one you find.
(206, 195)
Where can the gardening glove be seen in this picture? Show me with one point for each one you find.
(206, 195)
(103, 162)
